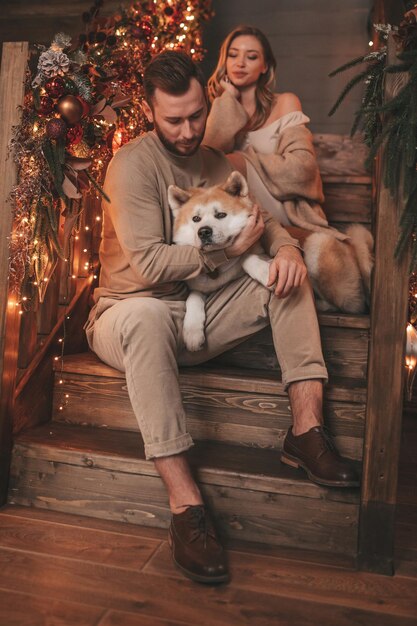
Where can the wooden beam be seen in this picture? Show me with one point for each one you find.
(385, 380)
(13, 68)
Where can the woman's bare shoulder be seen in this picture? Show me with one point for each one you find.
(286, 102)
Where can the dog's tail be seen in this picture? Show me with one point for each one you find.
(363, 243)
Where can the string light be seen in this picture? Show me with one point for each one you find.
(36, 203)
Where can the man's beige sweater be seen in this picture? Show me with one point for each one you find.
(136, 255)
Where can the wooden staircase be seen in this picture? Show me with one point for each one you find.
(88, 457)
(89, 460)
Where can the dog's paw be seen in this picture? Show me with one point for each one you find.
(258, 268)
(264, 275)
(194, 339)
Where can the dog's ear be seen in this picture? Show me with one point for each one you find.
(177, 197)
(236, 185)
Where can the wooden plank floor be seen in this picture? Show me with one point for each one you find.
(66, 570)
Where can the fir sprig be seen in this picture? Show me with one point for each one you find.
(391, 123)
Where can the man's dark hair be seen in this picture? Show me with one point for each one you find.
(171, 71)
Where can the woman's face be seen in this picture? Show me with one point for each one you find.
(245, 61)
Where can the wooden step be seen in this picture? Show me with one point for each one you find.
(102, 473)
(347, 185)
(345, 341)
(244, 407)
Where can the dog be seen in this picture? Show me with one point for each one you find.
(340, 271)
(210, 219)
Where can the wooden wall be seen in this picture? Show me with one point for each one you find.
(310, 38)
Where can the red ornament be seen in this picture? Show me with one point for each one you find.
(74, 135)
(70, 108)
(55, 87)
(56, 128)
(46, 105)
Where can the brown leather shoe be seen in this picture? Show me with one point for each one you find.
(195, 547)
(316, 453)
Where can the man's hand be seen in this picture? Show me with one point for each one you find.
(288, 267)
(248, 236)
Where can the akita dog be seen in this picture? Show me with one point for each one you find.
(211, 219)
(340, 272)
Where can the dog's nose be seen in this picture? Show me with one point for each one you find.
(205, 233)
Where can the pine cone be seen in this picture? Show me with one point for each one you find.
(52, 63)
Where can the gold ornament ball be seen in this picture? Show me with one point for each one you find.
(70, 109)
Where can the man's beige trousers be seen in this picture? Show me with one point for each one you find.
(142, 337)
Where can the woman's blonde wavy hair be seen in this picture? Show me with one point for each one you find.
(264, 95)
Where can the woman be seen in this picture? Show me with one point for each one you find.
(264, 135)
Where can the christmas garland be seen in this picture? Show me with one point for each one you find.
(82, 102)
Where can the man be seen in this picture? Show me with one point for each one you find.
(135, 325)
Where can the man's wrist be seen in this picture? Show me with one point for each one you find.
(290, 245)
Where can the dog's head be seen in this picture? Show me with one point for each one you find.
(210, 218)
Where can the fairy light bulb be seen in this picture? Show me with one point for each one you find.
(411, 347)
(411, 358)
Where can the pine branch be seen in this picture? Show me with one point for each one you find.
(97, 186)
(348, 66)
(351, 84)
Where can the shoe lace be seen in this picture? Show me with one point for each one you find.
(328, 443)
(199, 522)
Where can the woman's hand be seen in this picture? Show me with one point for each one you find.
(248, 236)
(230, 88)
(288, 267)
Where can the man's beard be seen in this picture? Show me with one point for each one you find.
(171, 147)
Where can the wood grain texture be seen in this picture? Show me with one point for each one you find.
(122, 618)
(346, 203)
(23, 609)
(140, 594)
(236, 379)
(345, 352)
(73, 542)
(386, 359)
(12, 77)
(237, 417)
(254, 498)
(341, 155)
(82, 293)
(222, 464)
(28, 339)
(249, 515)
(284, 577)
(385, 377)
(48, 309)
(299, 591)
(34, 405)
